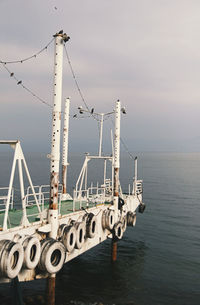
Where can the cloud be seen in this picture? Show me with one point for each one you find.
(144, 52)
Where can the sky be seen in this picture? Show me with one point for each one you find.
(146, 53)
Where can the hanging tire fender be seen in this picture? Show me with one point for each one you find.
(124, 223)
(80, 234)
(69, 237)
(108, 219)
(91, 225)
(118, 231)
(52, 255)
(32, 251)
(11, 258)
(131, 219)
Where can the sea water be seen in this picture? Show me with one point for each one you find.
(158, 261)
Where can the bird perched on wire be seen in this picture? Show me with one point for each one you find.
(92, 111)
(75, 116)
(19, 82)
(80, 109)
(11, 74)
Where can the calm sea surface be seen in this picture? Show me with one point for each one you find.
(158, 260)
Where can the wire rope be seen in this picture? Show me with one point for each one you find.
(29, 57)
(19, 82)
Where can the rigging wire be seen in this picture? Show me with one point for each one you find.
(27, 58)
(124, 145)
(19, 82)
(77, 85)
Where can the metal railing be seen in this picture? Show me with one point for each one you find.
(4, 198)
(42, 193)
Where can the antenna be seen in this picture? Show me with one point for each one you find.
(102, 115)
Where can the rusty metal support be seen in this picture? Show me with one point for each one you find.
(114, 251)
(50, 290)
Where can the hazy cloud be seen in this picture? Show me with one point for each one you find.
(145, 52)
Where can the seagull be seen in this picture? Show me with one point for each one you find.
(123, 110)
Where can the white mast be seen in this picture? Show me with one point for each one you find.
(135, 177)
(116, 155)
(101, 133)
(65, 149)
(60, 38)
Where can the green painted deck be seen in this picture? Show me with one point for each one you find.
(15, 216)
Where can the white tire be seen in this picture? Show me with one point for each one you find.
(118, 231)
(80, 234)
(108, 218)
(52, 255)
(11, 258)
(69, 237)
(124, 223)
(91, 225)
(131, 219)
(32, 251)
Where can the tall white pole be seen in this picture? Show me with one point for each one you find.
(135, 177)
(116, 155)
(56, 124)
(65, 148)
(101, 134)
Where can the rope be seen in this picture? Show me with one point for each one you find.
(27, 58)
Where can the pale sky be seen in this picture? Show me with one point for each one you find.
(144, 52)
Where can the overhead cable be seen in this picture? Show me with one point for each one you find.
(19, 82)
(77, 85)
(124, 144)
(27, 58)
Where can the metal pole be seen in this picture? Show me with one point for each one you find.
(116, 172)
(5, 225)
(55, 144)
(104, 179)
(65, 149)
(51, 288)
(60, 38)
(101, 134)
(24, 220)
(114, 251)
(116, 156)
(135, 177)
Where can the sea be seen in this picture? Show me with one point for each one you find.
(158, 260)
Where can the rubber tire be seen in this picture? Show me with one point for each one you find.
(118, 231)
(108, 219)
(28, 244)
(91, 225)
(80, 234)
(66, 237)
(11, 258)
(48, 248)
(131, 219)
